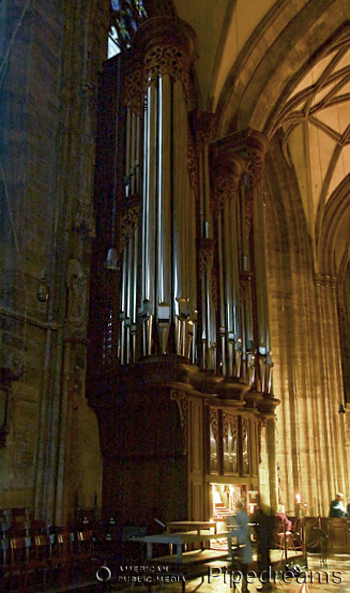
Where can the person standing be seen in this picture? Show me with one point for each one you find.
(264, 529)
(241, 532)
(337, 508)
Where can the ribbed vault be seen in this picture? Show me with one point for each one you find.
(316, 122)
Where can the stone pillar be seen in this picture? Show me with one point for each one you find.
(333, 439)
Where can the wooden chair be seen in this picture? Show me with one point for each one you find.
(20, 529)
(4, 542)
(84, 553)
(284, 540)
(38, 527)
(41, 559)
(20, 514)
(63, 556)
(297, 534)
(19, 559)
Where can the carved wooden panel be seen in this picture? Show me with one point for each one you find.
(338, 536)
(214, 439)
(254, 448)
(196, 428)
(245, 447)
(230, 443)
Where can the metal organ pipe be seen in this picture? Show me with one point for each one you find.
(163, 50)
(222, 275)
(163, 278)
(209, 307)
(233, 339)
(202, 165)
(160, 209)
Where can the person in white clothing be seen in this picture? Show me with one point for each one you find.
(241, 532)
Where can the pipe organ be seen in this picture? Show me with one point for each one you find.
(179, 332)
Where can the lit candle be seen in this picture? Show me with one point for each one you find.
(298, 498)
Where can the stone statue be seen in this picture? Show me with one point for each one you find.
(77, 293)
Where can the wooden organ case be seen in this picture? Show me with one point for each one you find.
(179, 369)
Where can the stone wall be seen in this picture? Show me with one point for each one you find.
(50, 56)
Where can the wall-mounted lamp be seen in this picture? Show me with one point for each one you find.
(341, 409)
(111, 262)
(43, 293)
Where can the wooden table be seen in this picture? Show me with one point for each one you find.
(185, 565)
(190, 526)
(179, 540)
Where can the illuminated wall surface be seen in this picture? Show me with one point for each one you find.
(174, 250)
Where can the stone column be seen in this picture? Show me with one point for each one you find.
(334, 441)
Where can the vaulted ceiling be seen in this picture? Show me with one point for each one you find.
(285, 65)
(223, 27)
(316, 120)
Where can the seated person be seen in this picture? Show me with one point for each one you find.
(337, 508)
(284, 519)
